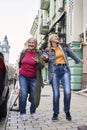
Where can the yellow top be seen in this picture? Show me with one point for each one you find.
(59, 56)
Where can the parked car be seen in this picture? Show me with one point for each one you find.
(4, 88)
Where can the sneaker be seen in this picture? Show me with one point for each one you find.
(55, 117)
(68, 116)
(23, 117)
(34, 116)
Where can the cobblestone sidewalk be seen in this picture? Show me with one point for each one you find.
(44, 112)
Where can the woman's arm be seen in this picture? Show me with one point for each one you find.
(73, 55)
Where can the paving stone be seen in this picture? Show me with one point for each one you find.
(82, 127)
(72, 129)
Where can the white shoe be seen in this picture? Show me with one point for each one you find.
(34, 116)
(23, 117)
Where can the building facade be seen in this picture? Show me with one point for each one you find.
(68, 18)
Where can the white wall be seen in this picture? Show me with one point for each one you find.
(74, 19)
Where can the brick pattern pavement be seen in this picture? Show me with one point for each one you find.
(44, 112)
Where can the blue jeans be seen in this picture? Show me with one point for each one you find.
(62, 74)
(26, 83)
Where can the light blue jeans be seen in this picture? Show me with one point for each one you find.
(62, 74)
(25, 85)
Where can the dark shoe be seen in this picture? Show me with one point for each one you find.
(55, 117)
(68, 116)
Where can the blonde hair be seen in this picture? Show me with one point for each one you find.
(32, 39)
(50, 41)
(51, 36)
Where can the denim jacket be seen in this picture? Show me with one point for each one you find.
(67, 51)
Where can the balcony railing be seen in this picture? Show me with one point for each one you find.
(45, 4)
(44, 27)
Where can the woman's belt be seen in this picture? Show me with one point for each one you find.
(61, 64)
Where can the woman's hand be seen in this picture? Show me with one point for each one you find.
(44, 57)
(82, 61)
(35, 59)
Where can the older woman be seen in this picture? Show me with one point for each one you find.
(58, 70)
(29, 64)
